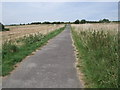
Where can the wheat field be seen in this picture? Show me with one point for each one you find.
(111, 27)
(20, 31)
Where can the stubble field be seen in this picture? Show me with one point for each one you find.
(24, 30)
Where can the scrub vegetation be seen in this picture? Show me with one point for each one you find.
(97, 45)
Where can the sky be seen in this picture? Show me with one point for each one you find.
(27, 12)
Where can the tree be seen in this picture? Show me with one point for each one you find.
(104, 21)
(46, 22)
(1, 27)
(83, 21)
(36, 23)
(77, 22)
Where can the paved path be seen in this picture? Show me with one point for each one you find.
(51, 67)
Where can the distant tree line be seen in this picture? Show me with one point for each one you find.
(46, 22)
(83, 21)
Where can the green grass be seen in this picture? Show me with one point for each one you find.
(98, 58)
(15, 51)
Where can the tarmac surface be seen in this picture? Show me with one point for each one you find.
(51, 67)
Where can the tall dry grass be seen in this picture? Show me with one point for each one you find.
(98, 53)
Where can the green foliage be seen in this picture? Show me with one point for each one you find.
(32, 38)
(83, 21)
(36, 23)
(6, 29)
(2, 28)
(15, 51)
(98, 54)
(9, 47)
(104, 21)
(47, 22)
(77, 22)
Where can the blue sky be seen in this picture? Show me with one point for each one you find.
(27, 12)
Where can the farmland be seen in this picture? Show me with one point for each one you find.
(23, 30)
(24, 40)
(60, 44)
(97, 47)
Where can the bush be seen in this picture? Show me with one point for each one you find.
(6, 29)
(9, 47)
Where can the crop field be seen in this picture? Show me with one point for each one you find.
(97, 46)
(106, 27)
(15, 49)
(23, 30)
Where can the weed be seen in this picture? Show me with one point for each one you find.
(12, 52)
(99, 56)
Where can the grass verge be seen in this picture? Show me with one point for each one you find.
(98, 58)
(15, 51)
